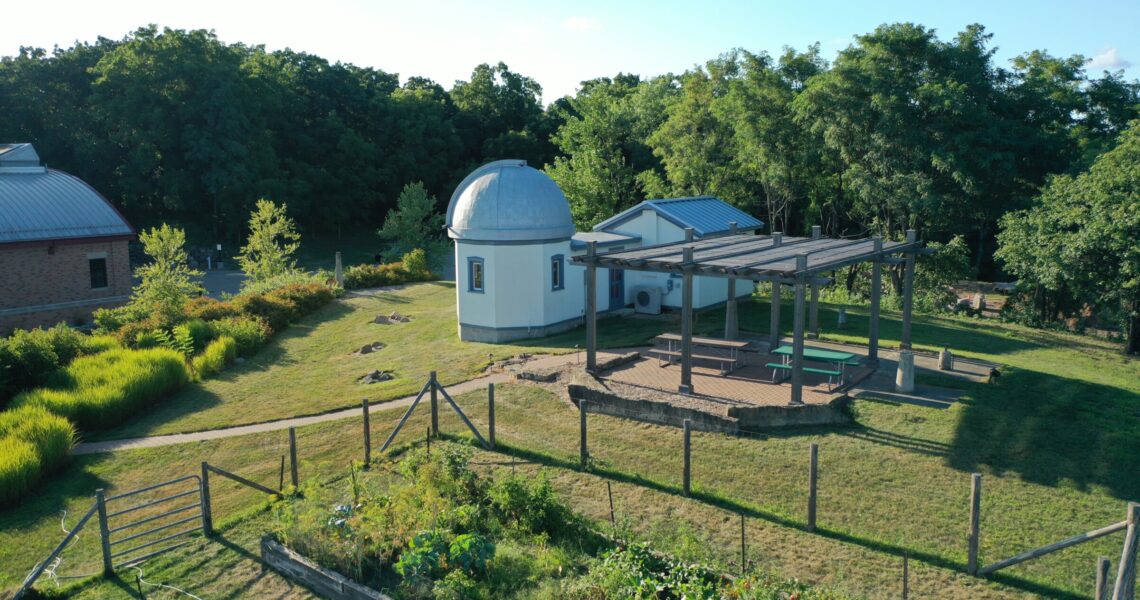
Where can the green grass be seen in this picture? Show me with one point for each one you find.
(311, 367)
(1057, 438)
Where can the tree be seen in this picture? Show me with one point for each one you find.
(607, 166)
(273, 239)
(1081, 239)
(168, 281)
(414, 223)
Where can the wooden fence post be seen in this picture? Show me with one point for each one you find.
(367, 437)
(582, 427)
(293, 456)
(610, 493)
(491, 414)
(743, 557)
(204, 498)
(906, 575)
(1125, 588)
(1103, 566)
(813, 484)
(687, 427)
(434, 405)
(975, 522)
(104, 531)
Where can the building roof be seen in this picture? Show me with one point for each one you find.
(707, 215)
(507, 201)
(38, 204)
(602, 238)
(747, 256)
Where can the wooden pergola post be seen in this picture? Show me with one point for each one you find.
(876, 297)
(731, 327)
(813, 313)
(591, 308)
(774, 322)
(798, 333)
(908, 290)
(687, 320)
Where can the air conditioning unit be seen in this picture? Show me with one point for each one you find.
(647, 300)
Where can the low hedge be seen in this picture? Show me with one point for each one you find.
(33, 442)
(250, 333)
(103, 390)
(215, 358)
(370, 276)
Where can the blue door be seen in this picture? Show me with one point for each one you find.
(617, 288)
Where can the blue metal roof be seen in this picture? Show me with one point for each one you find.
(40, 204)
(707, 215)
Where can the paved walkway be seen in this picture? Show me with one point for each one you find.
(348, 413)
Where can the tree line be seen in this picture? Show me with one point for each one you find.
(901, 129)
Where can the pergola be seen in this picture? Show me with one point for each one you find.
(796, 261)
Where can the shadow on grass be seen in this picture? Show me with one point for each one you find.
(756, 512)
(1051, 430)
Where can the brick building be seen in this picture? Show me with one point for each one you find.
(63, 247)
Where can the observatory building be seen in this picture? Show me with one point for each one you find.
(514, 236)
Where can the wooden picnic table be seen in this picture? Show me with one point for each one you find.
(673, 341)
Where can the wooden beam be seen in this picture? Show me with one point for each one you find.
(1043, 550)
(731, 328)
(876, 301)
(798, 338)
(591, 309)
(908, 291)
(774, 317)
(813, 311)
(687, 326)
(1125, 588)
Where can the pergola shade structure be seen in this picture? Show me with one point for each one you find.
(796, 261)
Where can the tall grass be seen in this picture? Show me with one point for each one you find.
(19, 469)
(103, 390)
(33, 442)
(214, 359)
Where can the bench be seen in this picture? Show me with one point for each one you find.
(669, 354)
(830, 373)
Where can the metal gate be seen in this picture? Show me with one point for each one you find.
(121, 522)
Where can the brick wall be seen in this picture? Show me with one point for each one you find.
(41, 278)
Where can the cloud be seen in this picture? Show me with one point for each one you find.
(1109, 59)
(581, 24)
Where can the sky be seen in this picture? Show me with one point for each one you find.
(560, 44)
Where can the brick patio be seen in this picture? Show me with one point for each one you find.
(749, 385)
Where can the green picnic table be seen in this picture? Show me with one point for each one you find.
(840, 358)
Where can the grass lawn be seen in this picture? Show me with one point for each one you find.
(1057, 438)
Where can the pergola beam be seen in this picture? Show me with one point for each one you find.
(798, 338)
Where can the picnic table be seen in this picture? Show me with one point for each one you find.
(732, 347)
(837, 357)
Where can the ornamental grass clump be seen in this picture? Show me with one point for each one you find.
(215, 358)
(101, 391)
(47, 436)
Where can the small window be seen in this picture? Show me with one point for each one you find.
(475, 274)
(557, 277)
(98, 270)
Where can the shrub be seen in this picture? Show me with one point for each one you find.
(277, 311)
(177, 339)
(249, 333)
(290, 278)
(50, 434)
(139, 334)
(30, 358)
(209, 309)
(19, 469)
(102, 390)
(307, 297)
(108, 321)
(366, 276)
(214, 359)
(199, 332)
(416, 262)
(94, 344)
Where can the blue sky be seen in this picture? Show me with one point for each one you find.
(561, 44)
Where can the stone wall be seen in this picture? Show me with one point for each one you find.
(46, 284)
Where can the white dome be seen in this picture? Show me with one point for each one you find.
(507, 201)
